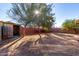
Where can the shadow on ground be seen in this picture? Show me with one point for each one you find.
(49, 45)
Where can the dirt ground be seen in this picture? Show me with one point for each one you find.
(50, 44)
(7, 41)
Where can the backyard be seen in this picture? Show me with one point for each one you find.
(51, 44)
(39, 29)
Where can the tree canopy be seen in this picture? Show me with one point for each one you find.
(24, 13)
(70, 24)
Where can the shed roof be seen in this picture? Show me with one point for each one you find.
(8, 22)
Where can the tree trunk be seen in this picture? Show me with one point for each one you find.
(39, 39)
(75, 31)
(24, 30)
(39, 33)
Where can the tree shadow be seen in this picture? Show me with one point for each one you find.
(47, 45)
(49, 39)
(64, 34)
(23, 48)
(5, 47)
(56, 39)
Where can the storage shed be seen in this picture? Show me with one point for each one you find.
(8, 30)
(1, 24)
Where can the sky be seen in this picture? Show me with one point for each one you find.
(3, 11)
(63, 11)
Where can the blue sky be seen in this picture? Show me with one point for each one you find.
(63, 11)
(3, 11)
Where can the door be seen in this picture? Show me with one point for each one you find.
(16, 30)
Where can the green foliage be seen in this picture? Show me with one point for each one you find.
(69, 24)
(24, 14)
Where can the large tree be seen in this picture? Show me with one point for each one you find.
(70, 24)
(32, 14)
